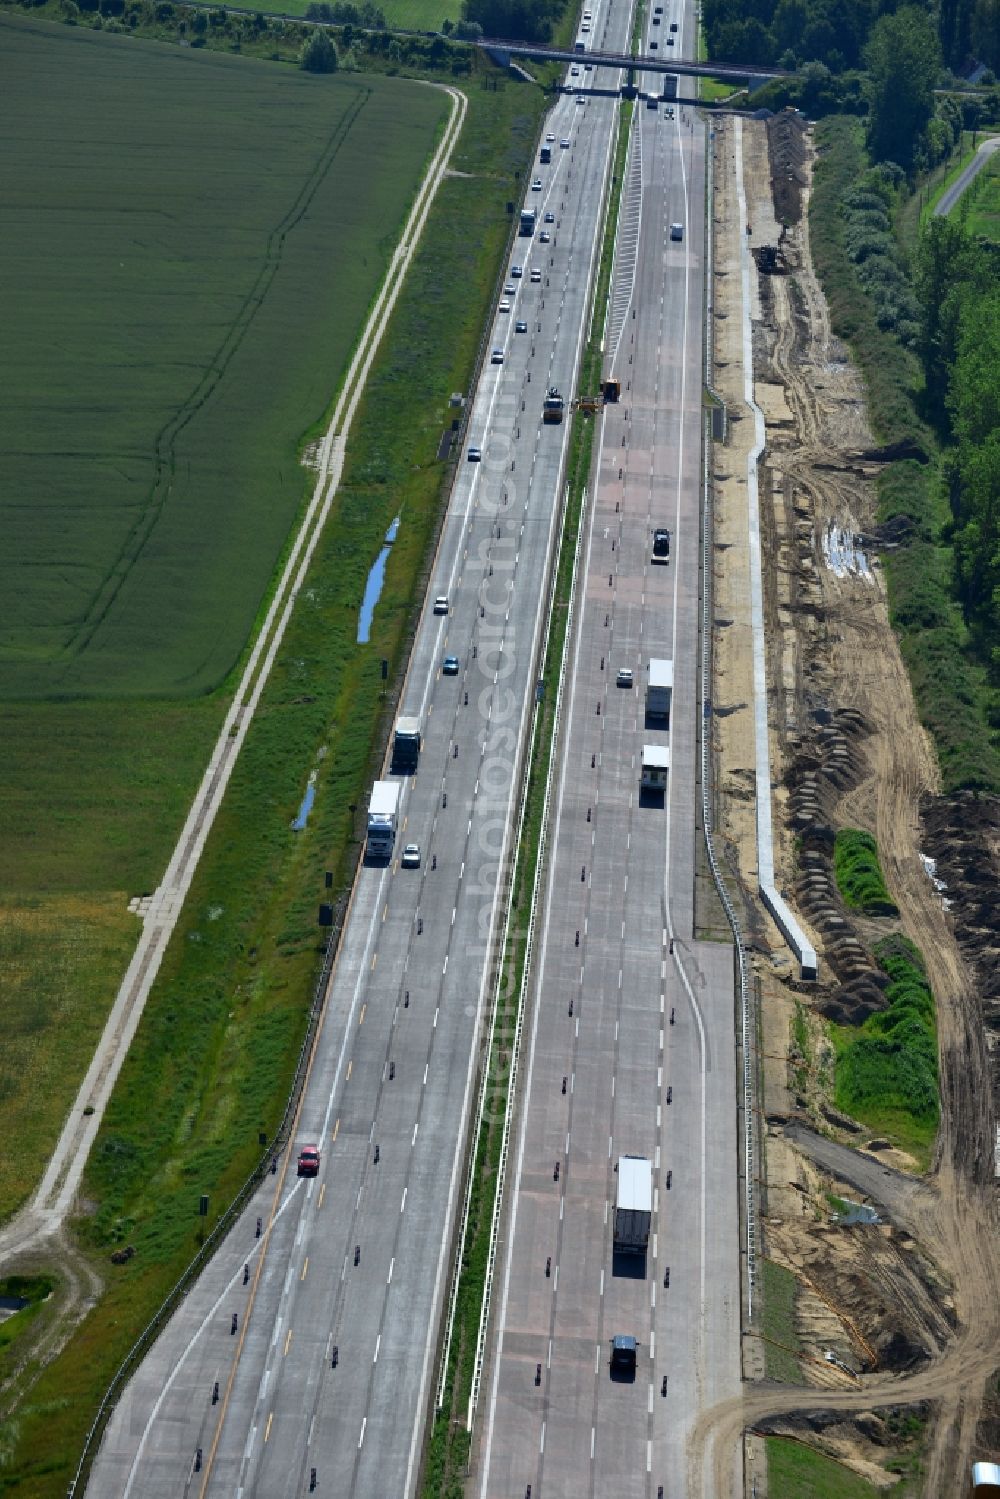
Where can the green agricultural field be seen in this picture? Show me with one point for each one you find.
(192, 188)
(192, 266)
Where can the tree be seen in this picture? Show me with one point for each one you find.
(318, 55)
(904, 61)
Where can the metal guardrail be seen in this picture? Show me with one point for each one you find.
(746, 1025)
(155, 1326)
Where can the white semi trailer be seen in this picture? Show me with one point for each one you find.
(383, 812)
(659, 688)
(634, 1204)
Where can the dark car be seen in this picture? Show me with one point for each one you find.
(449, 666)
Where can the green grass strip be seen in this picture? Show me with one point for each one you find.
(448, 1447)
(797, 1471)
(782, 1346)
(859, 874)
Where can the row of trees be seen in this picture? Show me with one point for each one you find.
(958, 282)
(837, 32)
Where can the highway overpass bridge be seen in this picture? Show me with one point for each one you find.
(504, 52)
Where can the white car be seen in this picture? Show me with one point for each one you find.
(580, 99)
(536, 276)
(536, 186)
(624, 677)
(504, 306)
(550, 217)
(411, 856)
(544, 237)
(441, 602)
(574, 72)
(496, 357)
(564, 144)
(550, 137)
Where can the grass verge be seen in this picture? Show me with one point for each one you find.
(781, 1346)
(887, 1072)
(859, 874)
(212, 1059)
(797, 1471)
(448, 1448)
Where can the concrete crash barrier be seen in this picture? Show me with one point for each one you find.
(790, 930)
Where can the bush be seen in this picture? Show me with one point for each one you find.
(889, 1071)
(859, 874)
(318, 55)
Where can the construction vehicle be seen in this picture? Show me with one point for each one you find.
(553, 407)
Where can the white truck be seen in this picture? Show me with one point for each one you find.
(383, 810)
(659, 688)
(634, 1204)
(655, 768)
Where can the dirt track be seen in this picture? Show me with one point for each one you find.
(831, 644)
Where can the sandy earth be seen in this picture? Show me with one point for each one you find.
(919, 1293)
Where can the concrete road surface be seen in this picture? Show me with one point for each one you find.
(631, 1012)
(357, 1259)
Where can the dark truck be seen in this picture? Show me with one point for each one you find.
(406, 746)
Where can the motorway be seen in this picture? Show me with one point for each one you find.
(241, 1395)
(632, 1047)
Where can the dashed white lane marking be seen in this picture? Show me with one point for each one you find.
(364, 1423)
(402, 1205)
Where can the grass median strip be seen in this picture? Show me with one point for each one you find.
(449, 1444)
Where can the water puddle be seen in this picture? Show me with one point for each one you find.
(857, 1212)
(306, 805)
(373, 588)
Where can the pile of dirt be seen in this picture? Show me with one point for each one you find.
(864, 1444)
(962, 836)
(788, 148)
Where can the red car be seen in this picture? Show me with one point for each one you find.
(309, 1160)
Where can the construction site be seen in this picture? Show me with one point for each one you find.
(895, 1256)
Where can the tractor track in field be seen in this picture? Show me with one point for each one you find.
(36, 1239)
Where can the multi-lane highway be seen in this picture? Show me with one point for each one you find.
(632, 1043)
(309, 1347)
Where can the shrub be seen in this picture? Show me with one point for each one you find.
(859, 874)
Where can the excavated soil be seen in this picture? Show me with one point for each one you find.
(909, 1308)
